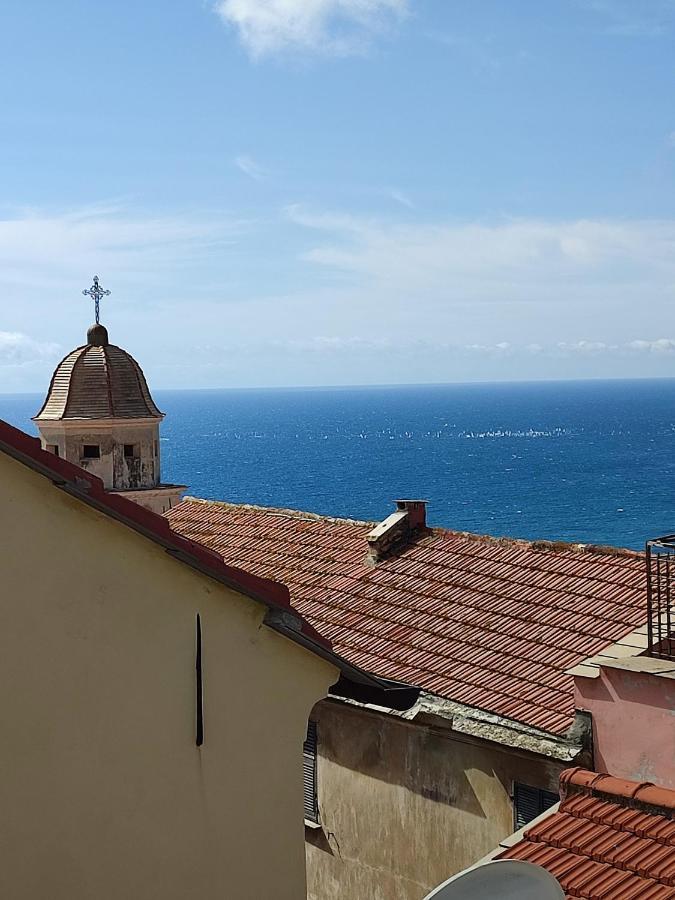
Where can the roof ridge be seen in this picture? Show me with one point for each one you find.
(276, 511)
(76, 350)
(643, 795)
(142, 383)
(539, 544)
(108, 379)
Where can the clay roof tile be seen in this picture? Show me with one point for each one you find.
(607, 841)
(490, 623)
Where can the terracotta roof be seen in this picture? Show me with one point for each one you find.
(283, 617)
(489, 623)
(610, 839)
(98, 382)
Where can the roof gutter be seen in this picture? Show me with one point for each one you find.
(354, 683)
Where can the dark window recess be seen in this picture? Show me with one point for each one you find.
(53, 448)
(530, 802)
(129, 451)
(309, 774)
(91, 451)
(200, 690)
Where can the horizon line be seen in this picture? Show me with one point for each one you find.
(392, 384)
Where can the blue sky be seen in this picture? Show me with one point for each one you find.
(289, 192)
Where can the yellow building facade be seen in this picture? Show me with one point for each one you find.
(104, 789)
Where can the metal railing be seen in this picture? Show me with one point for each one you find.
(661, 596)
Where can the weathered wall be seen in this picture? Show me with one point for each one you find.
(404, 806)
(633, 720)
(103, 790)
(116, 471)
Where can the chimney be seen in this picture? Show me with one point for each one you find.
(410, 517)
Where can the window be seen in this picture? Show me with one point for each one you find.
(155, 448)
(91, 451)
(53, 448)
(129, 451)
(530, 802)
(309, 774)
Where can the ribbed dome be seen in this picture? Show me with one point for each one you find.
(99, 381)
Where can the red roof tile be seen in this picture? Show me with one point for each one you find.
(490, 623)
(610, 839)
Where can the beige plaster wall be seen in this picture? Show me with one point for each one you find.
(404, 806)
(103, 791)
(158, 500)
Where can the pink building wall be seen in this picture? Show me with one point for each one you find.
(633, 714)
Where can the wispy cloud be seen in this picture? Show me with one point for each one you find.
(505, 259)
(634, 18)
(401, 197)
(354, 345)
(660, 347)
(250, 167)
(18, 349)
(336, 27)
(42, 249)
(321, 344)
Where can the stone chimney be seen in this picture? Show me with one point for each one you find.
(397, 529)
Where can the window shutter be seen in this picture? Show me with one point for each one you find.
(530, 802)
(309, 773)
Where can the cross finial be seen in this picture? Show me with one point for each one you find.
(96, 292)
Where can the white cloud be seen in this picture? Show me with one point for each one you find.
(41, 249)
(401, 197)
(662, 345)
(342, 298)
(338, 27)
(333, 344)
(511, 259)
(496, 349)
(250, 167)
(20, 349)
(357, 345)
(585, 347)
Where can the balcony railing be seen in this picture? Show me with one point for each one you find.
(661, 596)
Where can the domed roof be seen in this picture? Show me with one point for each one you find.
(98, 381)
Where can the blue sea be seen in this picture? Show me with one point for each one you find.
(586, 461)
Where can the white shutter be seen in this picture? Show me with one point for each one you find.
(309, 773)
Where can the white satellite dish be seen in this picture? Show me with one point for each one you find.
(505, 879)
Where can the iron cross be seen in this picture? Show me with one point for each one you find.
(96, 292)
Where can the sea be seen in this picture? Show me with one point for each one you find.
(581, 461)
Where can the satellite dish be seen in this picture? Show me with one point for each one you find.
(505, 879)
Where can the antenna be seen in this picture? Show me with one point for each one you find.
(505, 879)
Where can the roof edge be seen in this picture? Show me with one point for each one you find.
(89, 489)
(642, 795)
(285, 619)
(278, 511)
(553, 546)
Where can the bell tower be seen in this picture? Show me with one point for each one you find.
(99, 414)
